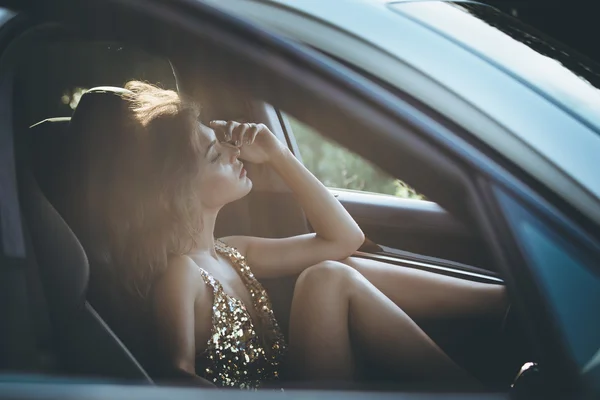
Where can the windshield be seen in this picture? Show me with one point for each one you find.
(561, 74)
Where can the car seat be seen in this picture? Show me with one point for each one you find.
(86, 342)
(83, 342)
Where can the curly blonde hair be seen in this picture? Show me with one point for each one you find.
(141, 201)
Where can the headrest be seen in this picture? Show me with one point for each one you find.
(57, 144)
(55, 151)
(95, 138)
(99, 114)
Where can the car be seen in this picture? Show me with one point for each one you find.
(492, 128)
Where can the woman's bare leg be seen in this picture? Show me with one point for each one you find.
(332, 302)
(425, 295)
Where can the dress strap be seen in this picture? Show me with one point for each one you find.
(210, 280)
(236, 258)
(260, 299)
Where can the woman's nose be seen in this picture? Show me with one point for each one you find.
(234, 152)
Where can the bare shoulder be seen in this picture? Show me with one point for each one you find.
(182, 309)
(182, 279)
(181, 296)
(180, 269)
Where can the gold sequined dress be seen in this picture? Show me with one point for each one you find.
(236, 355)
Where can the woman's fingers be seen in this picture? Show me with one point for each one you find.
(240, 134)
(251, 133)
(230, 131)
(217, 124)
(237, 133)
(220, 128)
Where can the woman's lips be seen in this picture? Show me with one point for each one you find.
(242, 172)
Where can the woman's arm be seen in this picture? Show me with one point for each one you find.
(336, 235)
(174, 300)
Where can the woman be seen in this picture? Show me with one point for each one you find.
(170, 177)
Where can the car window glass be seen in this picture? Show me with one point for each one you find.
(53, 75)
(568, 276)
(339, 168)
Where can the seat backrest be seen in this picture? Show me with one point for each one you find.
(84, 343)
(56, 155)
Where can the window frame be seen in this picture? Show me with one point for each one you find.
(577, 248)
(531, 306)
(374, 251)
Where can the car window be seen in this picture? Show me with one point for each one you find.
(567, 273)
(339, 168)
(55, 73)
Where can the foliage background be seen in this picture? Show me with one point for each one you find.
(339, 168)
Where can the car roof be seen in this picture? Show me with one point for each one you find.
(533, 58)
(400, 42)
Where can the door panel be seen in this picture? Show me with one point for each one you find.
(403, 226)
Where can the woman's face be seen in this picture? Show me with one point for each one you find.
(223, 176)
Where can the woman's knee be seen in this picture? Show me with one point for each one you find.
(327, 272)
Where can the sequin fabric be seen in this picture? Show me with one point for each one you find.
(236, 355)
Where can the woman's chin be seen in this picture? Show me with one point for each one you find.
(248, 183)
(244, 187)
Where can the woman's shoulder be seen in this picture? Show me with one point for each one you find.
(181, 267)
(182, 276)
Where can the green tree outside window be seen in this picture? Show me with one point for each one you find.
(340, 168)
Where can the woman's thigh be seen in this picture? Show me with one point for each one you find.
(423, 294)
(336, 310)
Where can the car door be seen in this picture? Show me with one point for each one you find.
(397, 220)
(408, 231)
(562, 281)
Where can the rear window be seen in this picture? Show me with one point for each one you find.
(52, 75)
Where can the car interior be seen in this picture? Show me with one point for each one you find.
(76, 334)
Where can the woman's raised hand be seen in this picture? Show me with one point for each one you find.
(256, 142)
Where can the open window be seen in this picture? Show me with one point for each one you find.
(400, 223)
(340, 168)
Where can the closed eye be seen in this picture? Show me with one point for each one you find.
(215, 158)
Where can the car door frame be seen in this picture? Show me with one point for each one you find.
(387, 204)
